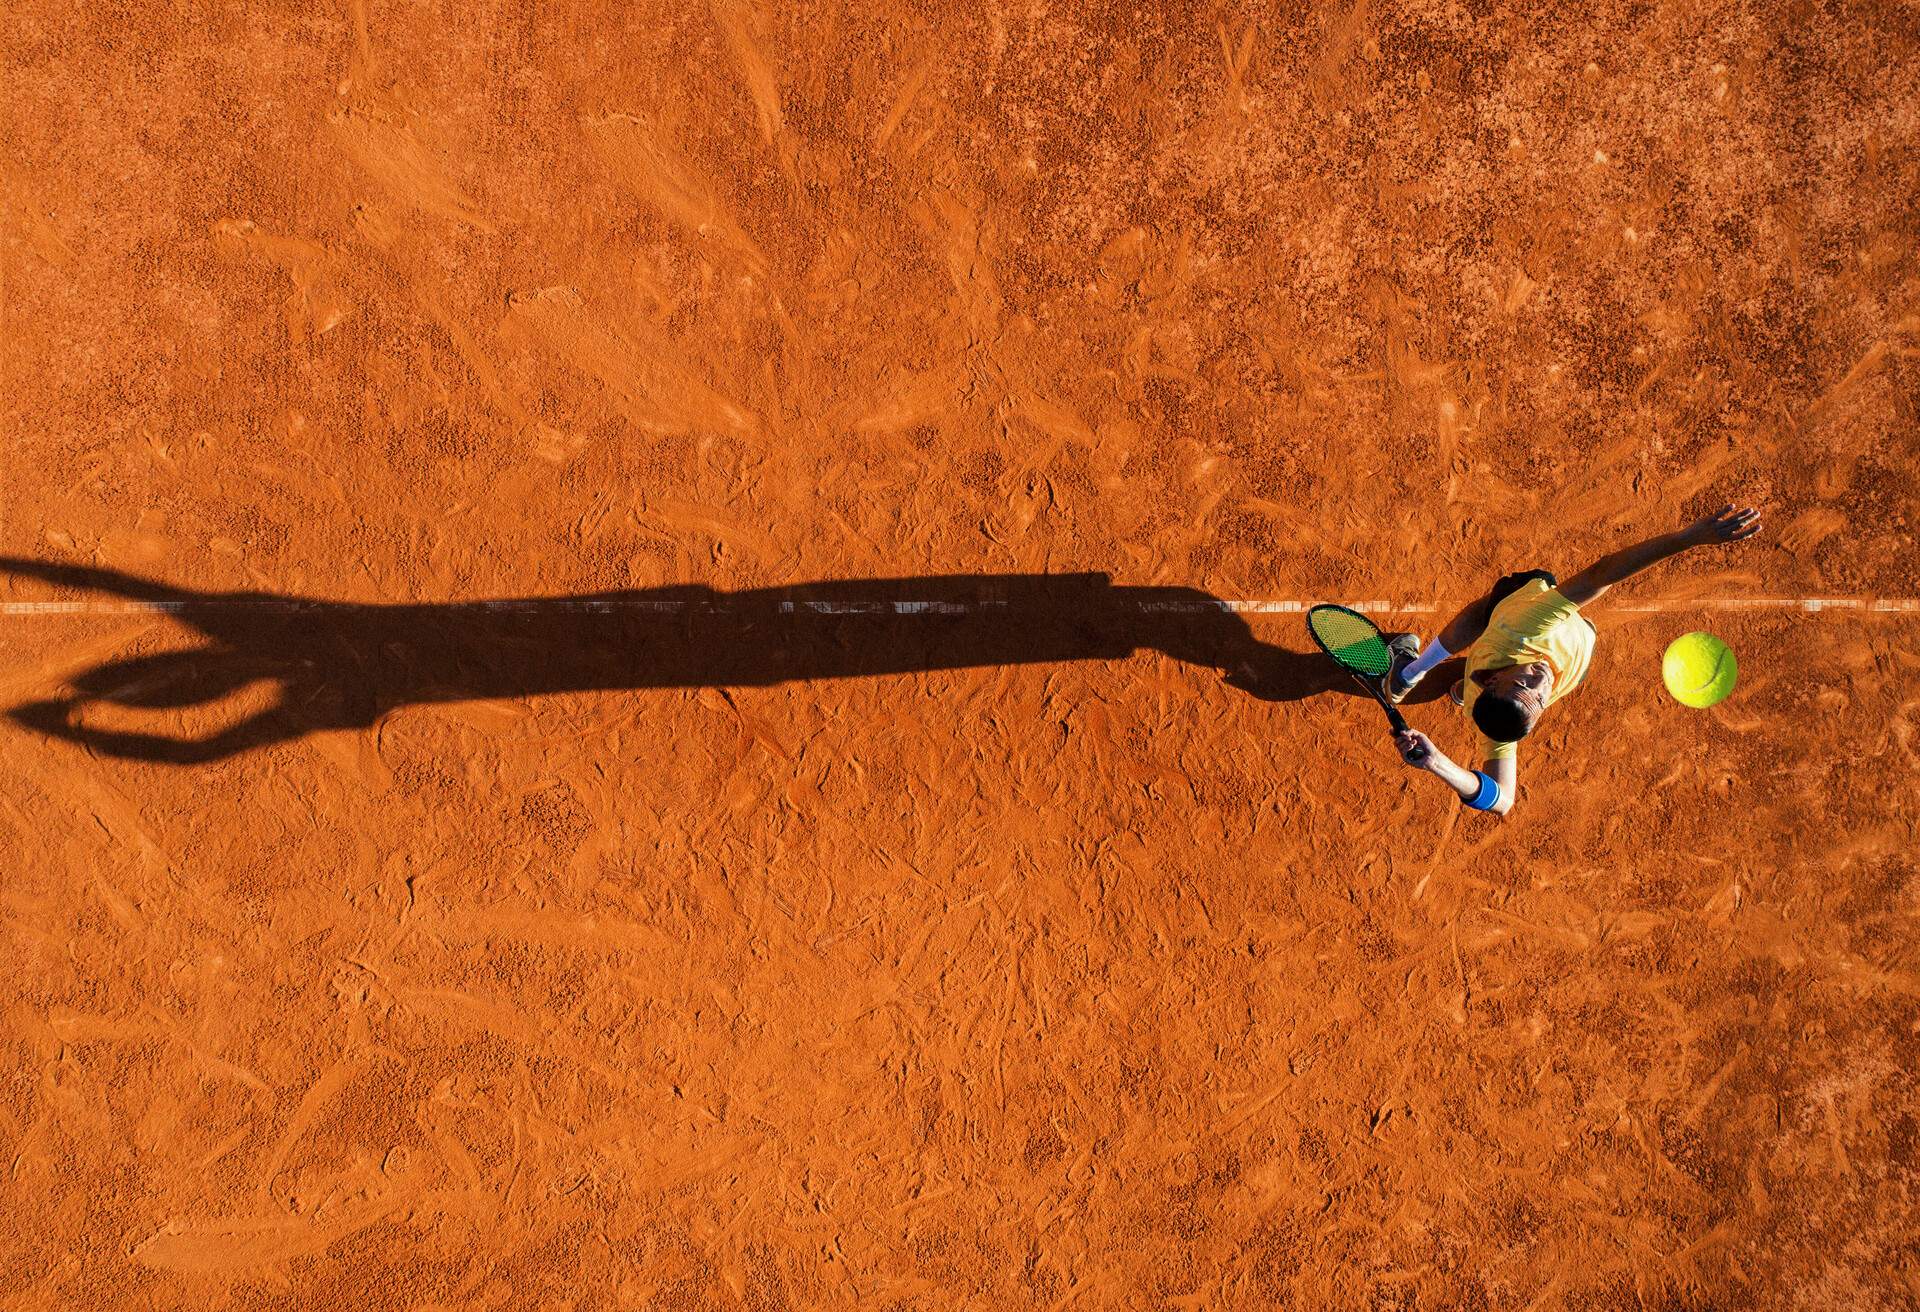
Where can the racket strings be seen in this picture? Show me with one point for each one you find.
(1351, 639)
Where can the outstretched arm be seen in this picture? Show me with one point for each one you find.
(1728, 524)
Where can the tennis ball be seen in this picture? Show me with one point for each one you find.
(1698, 669)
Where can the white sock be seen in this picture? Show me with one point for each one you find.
(1425, 661)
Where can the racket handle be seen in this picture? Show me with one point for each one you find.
(1399, 723)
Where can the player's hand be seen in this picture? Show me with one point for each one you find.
(1416, 749)
(1727, 524)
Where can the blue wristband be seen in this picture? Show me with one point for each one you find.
(1489, 792)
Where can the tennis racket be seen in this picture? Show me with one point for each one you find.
(1356, 646)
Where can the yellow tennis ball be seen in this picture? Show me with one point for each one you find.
(1698, 668)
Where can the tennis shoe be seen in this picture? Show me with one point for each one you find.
(1406, 649)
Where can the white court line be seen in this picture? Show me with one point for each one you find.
(1884, 605)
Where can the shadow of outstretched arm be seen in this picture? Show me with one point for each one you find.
(90, 578)
(340, 665)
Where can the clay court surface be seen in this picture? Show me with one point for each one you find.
(863, 867)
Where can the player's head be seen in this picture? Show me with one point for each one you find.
(1511, 699)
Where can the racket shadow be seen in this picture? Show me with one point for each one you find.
(336, 665)
(1281, 675)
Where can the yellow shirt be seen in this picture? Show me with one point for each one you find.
(1534, 623)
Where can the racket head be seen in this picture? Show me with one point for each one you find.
(1353, 641)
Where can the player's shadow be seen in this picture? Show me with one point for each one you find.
(341, 665)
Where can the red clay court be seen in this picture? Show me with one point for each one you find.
(653, 657)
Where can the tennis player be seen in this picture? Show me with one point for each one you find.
(1527, 645)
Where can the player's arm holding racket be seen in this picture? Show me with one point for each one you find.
(1419, 751)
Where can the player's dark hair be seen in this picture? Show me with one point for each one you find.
(1500, 718)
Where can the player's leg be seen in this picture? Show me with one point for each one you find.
(1410, 666)
(1461, 632)
(1512, 583)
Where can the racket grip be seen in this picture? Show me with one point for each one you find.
(1397, 720)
